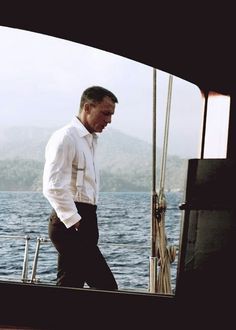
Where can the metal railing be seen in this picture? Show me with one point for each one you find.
(26, 277)
(25, 268)
(36, 257)
(32, 278)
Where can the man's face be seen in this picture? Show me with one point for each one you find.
(99, 115)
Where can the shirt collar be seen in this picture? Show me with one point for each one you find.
(82, 130)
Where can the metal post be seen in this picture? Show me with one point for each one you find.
(206, 96)
(153, 258)
(24, 276)
(35, 262)
(153, 274)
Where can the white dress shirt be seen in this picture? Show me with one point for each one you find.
(70, 171)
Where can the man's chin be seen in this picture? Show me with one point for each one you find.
(101, 129)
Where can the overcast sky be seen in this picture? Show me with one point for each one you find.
(42, 78)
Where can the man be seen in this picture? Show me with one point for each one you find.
(70, 183)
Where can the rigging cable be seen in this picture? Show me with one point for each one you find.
(166, 254)
(161, 254)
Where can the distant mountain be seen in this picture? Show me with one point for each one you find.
(23, 142)
(125, 161)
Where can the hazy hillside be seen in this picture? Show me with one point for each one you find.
(125, 162)
(23, 142)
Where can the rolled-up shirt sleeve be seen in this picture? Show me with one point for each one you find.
(59, 155)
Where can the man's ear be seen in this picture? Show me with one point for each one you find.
(87, 107)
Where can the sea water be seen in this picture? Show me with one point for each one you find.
(124, 225)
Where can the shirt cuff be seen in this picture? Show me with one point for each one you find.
(72, 220)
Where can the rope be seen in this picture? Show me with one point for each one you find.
(166, 255)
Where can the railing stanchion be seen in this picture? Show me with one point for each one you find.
(24, 276)
(35, 262)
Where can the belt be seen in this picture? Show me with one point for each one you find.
(86, 205)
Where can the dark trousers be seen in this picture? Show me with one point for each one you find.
(79, 259)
